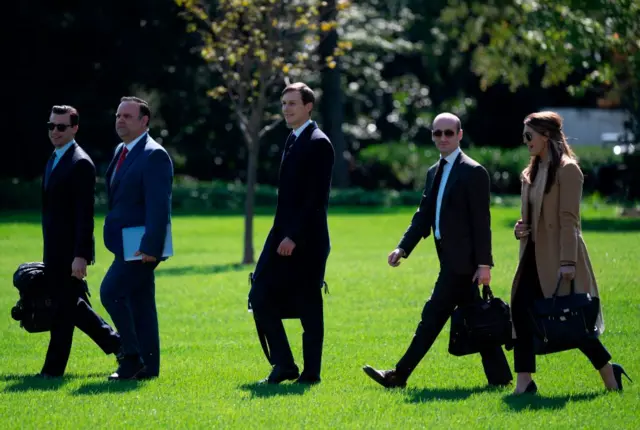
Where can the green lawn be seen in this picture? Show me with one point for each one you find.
(211, 358)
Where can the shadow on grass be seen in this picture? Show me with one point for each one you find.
(258, 390)
(201, 270)
(422, 395)
(24, 383)
(602, 225)
(538, 402)
(96, 388)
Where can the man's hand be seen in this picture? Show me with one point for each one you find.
(79, 268)
(521, 230)
(286, 247)
(146, 258)
(483, 275)
(395, 256)
(567, 272)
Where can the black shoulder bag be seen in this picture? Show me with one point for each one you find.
(564, 322)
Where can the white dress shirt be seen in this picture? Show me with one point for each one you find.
(298, 131)
(445, 176)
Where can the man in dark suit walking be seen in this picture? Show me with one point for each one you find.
(139, 181)
(456, 206)
(289, 275)
(67, 227)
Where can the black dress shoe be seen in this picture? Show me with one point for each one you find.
(146, 374)
(130, 366)
(618, 371)
(280, 374)
(386, 378)
(308, 379)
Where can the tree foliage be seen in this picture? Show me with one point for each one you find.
(511, 37)
(256, 46)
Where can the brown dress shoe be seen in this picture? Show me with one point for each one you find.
(386, 378)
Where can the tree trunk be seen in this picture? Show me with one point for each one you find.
(249, 203)
(332, 104)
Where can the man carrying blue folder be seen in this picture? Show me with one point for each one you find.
(139, 181)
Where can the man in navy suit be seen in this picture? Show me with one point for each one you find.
(67, 227)
(289, 275)
(139, 181)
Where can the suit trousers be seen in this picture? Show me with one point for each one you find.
(451, 290)
(128, 294)
(310, 309)
(74, 310)
(528, 291)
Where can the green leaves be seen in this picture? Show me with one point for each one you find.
(254, 44)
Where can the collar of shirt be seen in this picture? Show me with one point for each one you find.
(452, 157)
(60, 151)
(298, 131)
(131, 144)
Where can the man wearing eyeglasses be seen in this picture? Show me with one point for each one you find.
(455, 207)
(67, 226)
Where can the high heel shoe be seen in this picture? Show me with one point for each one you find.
(618, 371)
(532, 388)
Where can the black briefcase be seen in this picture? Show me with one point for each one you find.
(479, 325)
(562, 323)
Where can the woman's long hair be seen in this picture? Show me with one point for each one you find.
(548, 124)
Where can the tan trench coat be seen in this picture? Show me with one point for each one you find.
(555, 225)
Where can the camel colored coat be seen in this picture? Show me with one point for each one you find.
(555, 226)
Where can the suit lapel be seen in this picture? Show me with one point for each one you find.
(454, 174)
(304, 137)
(137, 150)
(300, 141)
(61, 167)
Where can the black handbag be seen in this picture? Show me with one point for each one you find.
(482, 324)
(564, 322)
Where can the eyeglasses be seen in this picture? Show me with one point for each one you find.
(60, 127)
(527, 136)
(439, 133)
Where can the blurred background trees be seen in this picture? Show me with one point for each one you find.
(400, 62)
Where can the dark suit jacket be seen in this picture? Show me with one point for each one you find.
(140, 195)
(465, 219)
(67, 210)
(301, 215)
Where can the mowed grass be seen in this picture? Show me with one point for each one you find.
(211, 357)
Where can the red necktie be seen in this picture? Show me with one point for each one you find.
(123, 155)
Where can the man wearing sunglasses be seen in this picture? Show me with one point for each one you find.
(455, 208)
(67, 226)
(139, 181)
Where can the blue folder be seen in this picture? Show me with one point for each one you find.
(131, 238)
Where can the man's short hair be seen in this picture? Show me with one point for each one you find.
(145, 110)
(74, 117)
(448, 115)
(306, 93)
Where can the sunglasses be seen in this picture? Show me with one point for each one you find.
(439, 133)
(527, 136)
(60, 127)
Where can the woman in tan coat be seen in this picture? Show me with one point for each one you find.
(551, 245)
